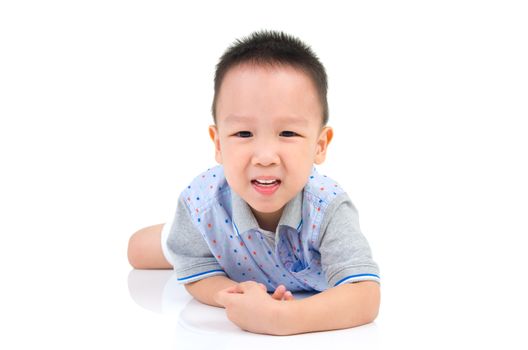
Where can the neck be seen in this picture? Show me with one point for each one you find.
(268, 221)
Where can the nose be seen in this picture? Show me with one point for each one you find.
(266, 153)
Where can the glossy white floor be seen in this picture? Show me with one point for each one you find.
(418, 318)
(86, 308)
(204, 327)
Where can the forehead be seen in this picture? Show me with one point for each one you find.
(232, 119)
(280, 92)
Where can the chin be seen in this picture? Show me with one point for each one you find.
(266, 208)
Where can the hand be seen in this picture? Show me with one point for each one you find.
(281, 293)
(249, 306)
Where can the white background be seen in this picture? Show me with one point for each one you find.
(104, 108)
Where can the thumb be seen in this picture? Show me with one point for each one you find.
(232, 289)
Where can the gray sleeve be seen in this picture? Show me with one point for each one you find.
(345, 253)
(188, 250)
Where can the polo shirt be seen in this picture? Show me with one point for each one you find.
(317, 244)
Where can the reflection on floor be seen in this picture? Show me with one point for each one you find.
(158, 291)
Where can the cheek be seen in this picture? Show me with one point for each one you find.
(301, 160)
(302, 152)
(233, 154)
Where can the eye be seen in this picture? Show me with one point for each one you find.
(288, 134)
(244, 134)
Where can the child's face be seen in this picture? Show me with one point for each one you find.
(269, 127)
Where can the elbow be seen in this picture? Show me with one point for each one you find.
(188, 288)
(370, 303)
(133, 253)
(194, 288)
(368, 314)
(145, 251)
(371, 310)
(371, 314)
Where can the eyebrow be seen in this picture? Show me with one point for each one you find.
(233, 119)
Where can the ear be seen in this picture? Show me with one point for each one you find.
(322, 144)
(213, 134)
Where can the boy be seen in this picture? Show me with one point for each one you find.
(265, 220)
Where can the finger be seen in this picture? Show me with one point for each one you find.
(288, 296)
(279, 292)
(232, 289)
(263, 287)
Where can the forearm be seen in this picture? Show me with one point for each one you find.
(205, 290)
(345, 306)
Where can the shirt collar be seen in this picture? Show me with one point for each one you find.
(245, 220)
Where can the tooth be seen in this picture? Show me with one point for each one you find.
(266, 181)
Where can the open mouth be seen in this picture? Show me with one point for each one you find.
(266, 183)
(266, 187)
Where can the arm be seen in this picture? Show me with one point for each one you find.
(144, 249)
(344, 306)
(204, 290)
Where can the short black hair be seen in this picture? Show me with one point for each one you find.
(273, 48)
